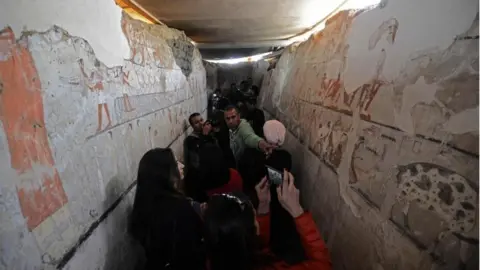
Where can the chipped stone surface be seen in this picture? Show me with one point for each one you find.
(103, 28)
(391, 117)
(85, 123)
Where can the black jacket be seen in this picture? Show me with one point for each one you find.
(171, 234)
(191, 149)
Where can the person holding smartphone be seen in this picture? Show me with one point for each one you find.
(285, 241)
(233, 228)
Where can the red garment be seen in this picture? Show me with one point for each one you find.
(315, 249)
(234, 184)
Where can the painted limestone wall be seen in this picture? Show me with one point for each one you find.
(85, 91)
(382, 112)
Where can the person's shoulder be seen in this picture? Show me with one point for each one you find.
(189, 137)
(234, 173)
(176, 204)
(192, 137)
(243, 123)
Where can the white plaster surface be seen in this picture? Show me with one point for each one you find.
(463, 122)
(422, 25)
(97, 21)
(94, 165)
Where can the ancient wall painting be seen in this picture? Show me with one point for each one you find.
(441, 194)
(333, 93)
(424, 183)
(137, 88)
(39, 187)
(94, 81)
(407, 179)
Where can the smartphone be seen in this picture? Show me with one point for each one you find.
(274, 176)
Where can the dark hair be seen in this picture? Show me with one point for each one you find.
(157, 173)
(231, 107)
(230, 233)
(214, 170)
(195, 114)
(255, 90)
(251, 100)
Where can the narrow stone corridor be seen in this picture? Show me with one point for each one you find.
(380, 103)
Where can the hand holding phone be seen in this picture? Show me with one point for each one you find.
(289, 196)
(274, 176)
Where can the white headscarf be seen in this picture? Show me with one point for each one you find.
(274, 132)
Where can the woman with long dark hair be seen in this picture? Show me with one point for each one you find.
(232, 228)
(163, 221)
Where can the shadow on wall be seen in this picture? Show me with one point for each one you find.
(123, 251)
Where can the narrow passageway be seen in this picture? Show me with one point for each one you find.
(375, 105)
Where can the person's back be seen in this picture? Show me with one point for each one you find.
(285, 241)
(163, 221)
(174, 236)
(215, 174)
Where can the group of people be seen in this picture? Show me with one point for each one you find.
(224, 213)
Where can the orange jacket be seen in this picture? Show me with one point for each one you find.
(315, 249)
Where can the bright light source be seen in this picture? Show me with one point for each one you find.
(348, 4)
(309, 17)
(359, 4)
(253, 58)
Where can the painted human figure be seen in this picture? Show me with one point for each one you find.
(331, 87)
(40, 190)
(365, 93)
(125, 86)
(95, 84)
(388, 29)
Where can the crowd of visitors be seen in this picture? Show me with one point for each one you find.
(238, 207)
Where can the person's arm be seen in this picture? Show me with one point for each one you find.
(315, 249)
(190, 154)
(248, 136)
(186, 157)
(263, 211)
(264, 228)
(208, 139)
(186, 235)
(312, 242)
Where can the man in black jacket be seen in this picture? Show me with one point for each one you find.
(200, 137)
